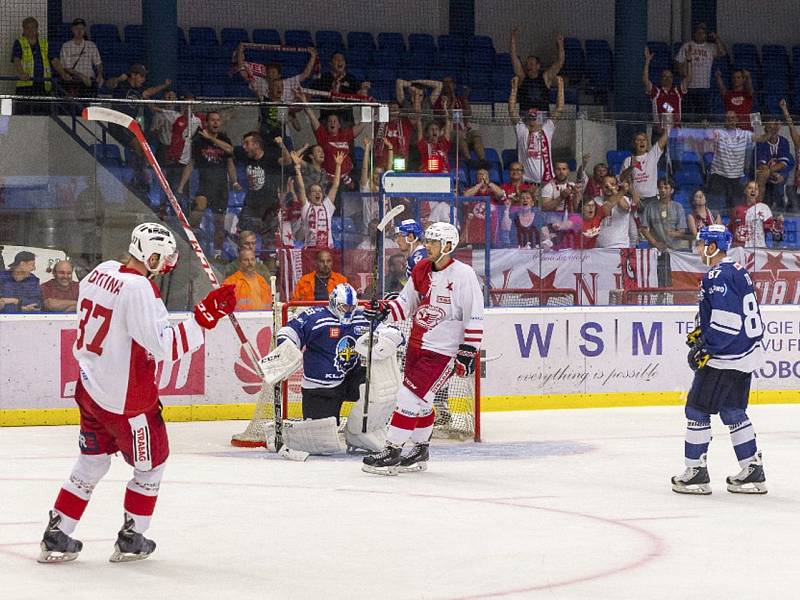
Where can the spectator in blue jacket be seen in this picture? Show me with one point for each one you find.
(19, 287)
(773, 163)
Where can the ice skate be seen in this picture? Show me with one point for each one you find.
(694, 480)
(131, 545)
(416, 460)
(56, 545)
(384, 462)
(750, 480)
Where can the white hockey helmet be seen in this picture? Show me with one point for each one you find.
(153, 238)
(343, 295)
(444, 232)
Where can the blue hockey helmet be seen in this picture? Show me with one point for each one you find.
(409, 227)
(343, 302)
(718, 234)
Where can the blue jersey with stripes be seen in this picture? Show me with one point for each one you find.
(417, 255)
(730, 318)
(328, 345)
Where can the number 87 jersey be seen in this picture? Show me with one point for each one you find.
(730, 318)
(123, 330)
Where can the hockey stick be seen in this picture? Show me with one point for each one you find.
(99, 113)
(277, 395)
(387, 218)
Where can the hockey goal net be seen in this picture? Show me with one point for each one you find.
(519, 297)
(457, 404)
(655, 296)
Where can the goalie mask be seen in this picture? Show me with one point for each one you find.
(343, 302)
(716, 234)
(148, 239)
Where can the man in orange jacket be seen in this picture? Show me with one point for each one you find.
(252, 290)
(318, 284)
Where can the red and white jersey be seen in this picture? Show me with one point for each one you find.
(446, 307)
(663, 99)
(123, 331)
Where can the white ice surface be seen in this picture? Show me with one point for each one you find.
(554, 504)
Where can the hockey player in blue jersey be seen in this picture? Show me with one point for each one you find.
(725, 350)
(409, 239)
(332, 368)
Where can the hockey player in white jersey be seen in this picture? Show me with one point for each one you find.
(444, 301)
(123, 331)
(409, 239)
(725, 349)
(333, 339)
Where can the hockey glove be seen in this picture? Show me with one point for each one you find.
(698, 356)
(219, 303)
(376, 312)
(465, 360)
(692, 337)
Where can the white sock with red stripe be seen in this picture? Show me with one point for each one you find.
(141, 496)
(405, 417)
(75, 493)
(424, 428)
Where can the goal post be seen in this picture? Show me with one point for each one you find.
(457, 403)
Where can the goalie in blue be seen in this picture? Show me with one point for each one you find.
(725, 349)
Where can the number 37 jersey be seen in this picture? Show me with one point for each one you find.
(730, 318)
(123, 331)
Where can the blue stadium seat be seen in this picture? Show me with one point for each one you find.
(412, 73)
(451, 42)
(359, 73)
(480, 79)
(421, 41)
(390, 39)
(389, 58)
(481, 41)
(771, 104)
(599, 61)
(202, 36)
(439, 73)
(363, 40)
(492, 156)
(213, 90)
(481, 95)
(266, 36)
(500, 95)
(688, 177)
(573, 60)
(134, 34)
(745, 56)
(615, 158)
(383, 90)
(298, 37)
(508, 155)
(107, 154)
(62, 32)
(378, 74)
(570, 95)
(480, 58)
(502, 62)
(662, 59)
(688, 157)
(180, 36)
(357, 58)
(330, 39)
(103, 31)
(231, 37)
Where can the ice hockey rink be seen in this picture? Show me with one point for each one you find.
(553, 504)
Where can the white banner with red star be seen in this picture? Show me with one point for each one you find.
(775, 273)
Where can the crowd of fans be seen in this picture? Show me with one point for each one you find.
(293, 194)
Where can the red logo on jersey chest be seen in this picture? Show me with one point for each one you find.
(334, 332)
(428, 315)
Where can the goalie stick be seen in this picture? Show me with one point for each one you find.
(277, 396)
(387, 218)
(99, 113)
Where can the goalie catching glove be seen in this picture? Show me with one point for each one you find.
(465, 360)
(218, 304)
(281, 363)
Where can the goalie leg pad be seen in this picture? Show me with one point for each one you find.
(315, 436)
(382, 398)
(281, 363)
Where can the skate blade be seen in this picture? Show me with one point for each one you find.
(120, 557)
(50, 556)
(757, 488)
(379, 470)
(415, 468)
(697, 490)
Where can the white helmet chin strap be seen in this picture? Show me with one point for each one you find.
(444, 253)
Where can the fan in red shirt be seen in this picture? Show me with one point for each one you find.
(666, 98)
(739, 99)
(515, 183)
(333, 140)
(474, 226)
(434, 141)
(398, 131)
